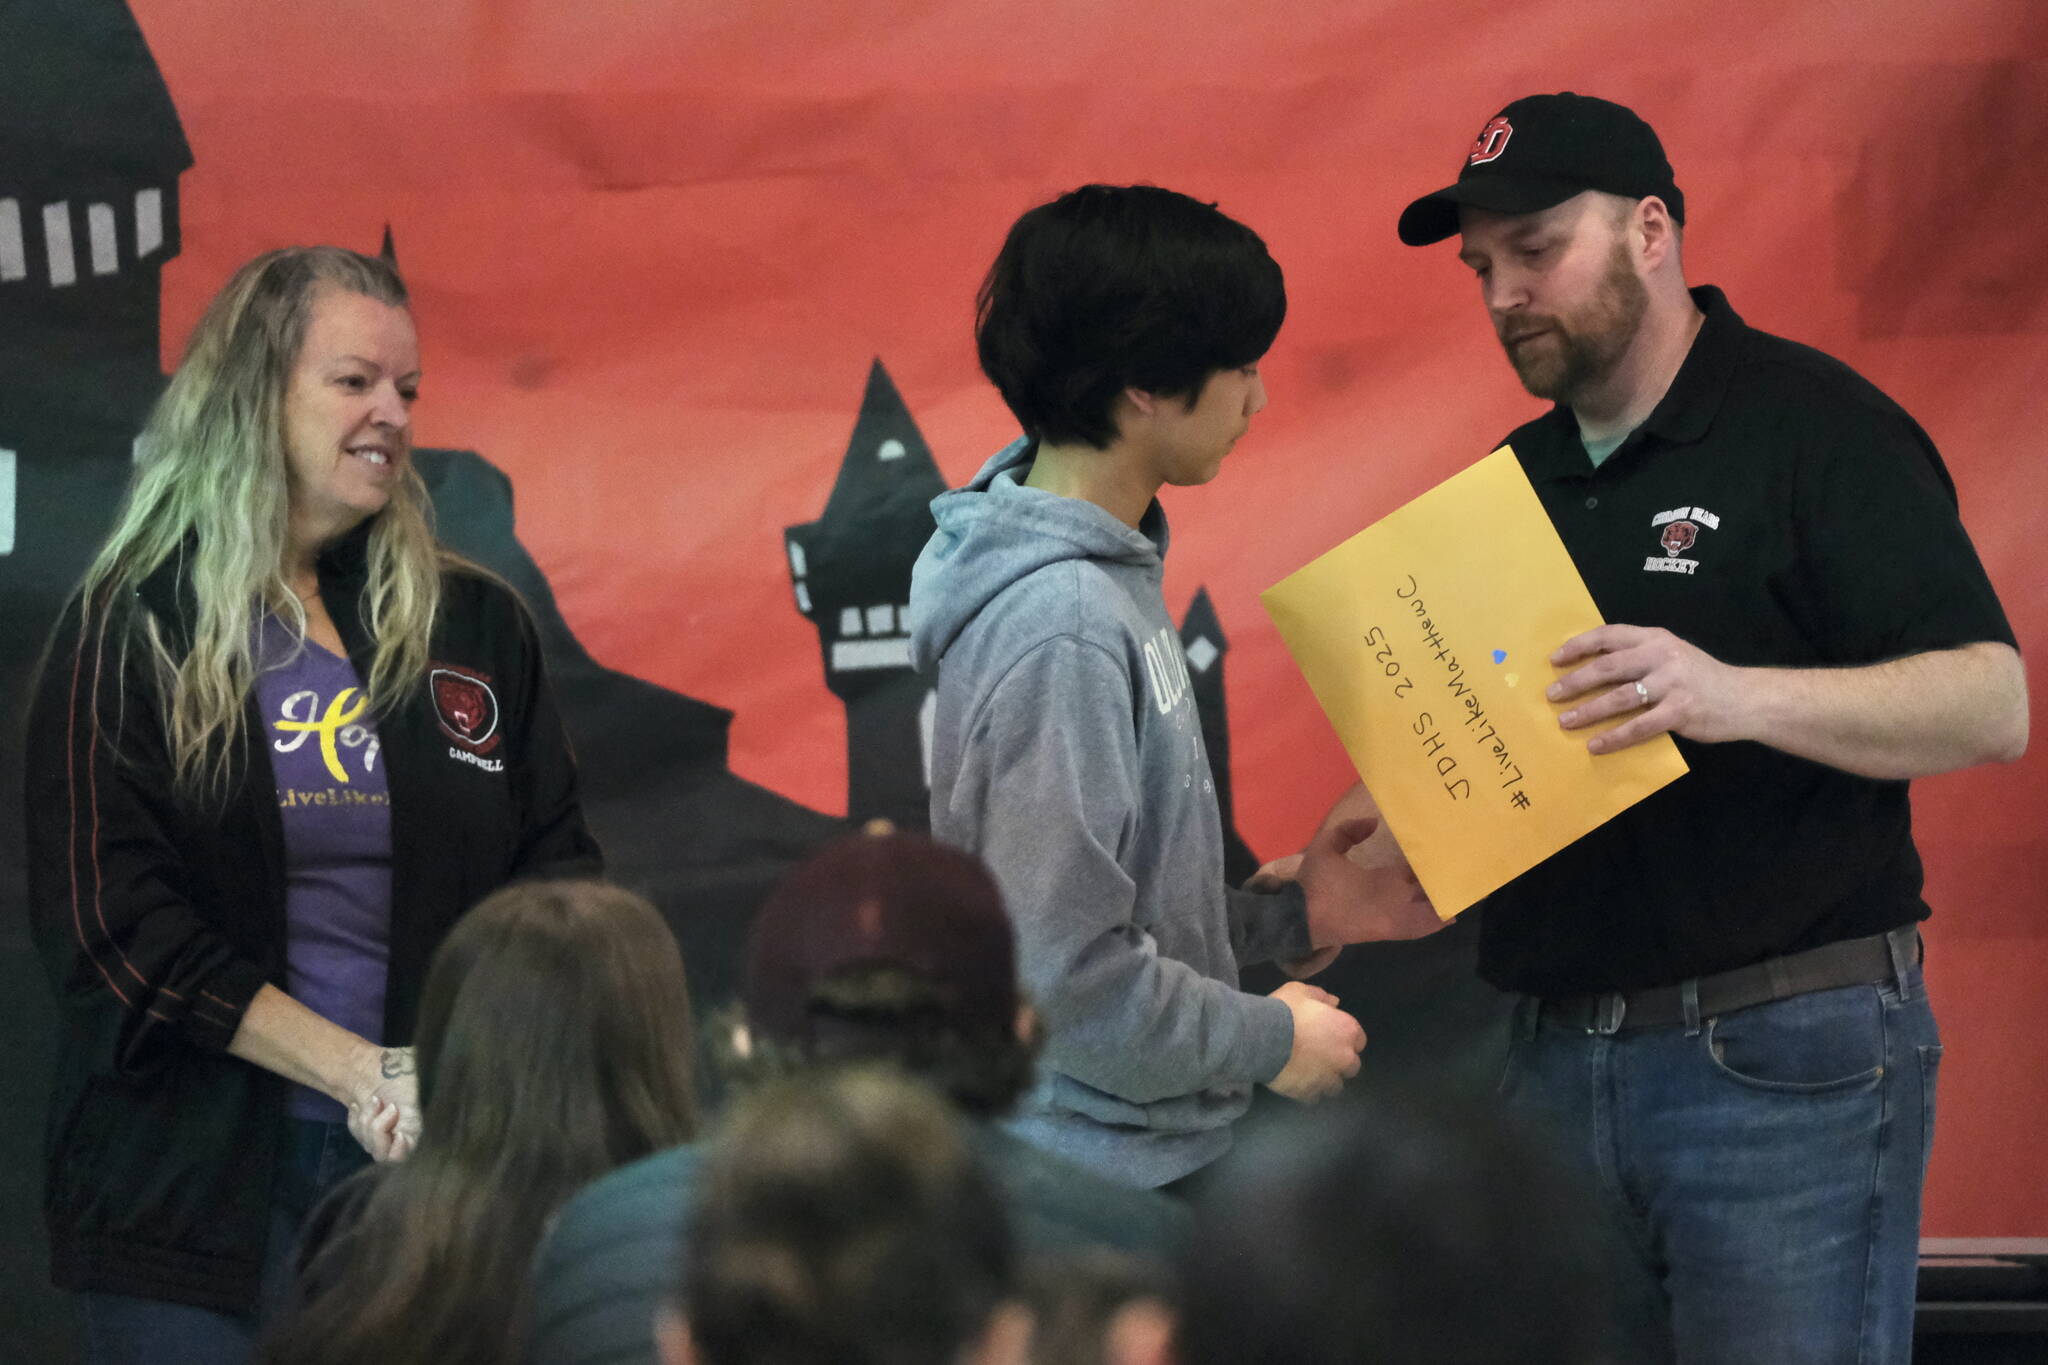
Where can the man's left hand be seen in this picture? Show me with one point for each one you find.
(1671, 686)
(1350, 902)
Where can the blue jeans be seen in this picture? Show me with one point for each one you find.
(124, 1329)
(1761, 1169)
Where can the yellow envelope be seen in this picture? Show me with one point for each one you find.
(1427, 639)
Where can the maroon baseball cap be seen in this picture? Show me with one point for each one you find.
(882, 899)
(1539, 152)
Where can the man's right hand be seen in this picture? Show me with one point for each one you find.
(1327, 1042)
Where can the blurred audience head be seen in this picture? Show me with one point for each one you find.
(554, 1044)
(1396, 1229)
(888, 947)
(1099, 1307)
(843, 1219)
(556, 1015)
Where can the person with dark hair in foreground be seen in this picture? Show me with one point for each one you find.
(555, 1043)
(1124, 327)
(845, 1219)
(879, 949)
(1098, 1308)
(1723, 1009)
(1404, 1229)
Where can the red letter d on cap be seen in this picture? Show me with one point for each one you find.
(1491, 142)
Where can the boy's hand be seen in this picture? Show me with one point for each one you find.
(1272, 877)
(1327, 1042)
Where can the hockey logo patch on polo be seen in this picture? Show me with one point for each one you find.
(1678, 530)
(1491, 142)
(467, 709)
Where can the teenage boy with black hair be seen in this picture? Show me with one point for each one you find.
(1123, 326)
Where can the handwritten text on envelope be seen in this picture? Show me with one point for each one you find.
(1427, 639)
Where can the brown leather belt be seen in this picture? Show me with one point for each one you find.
(1849, 962)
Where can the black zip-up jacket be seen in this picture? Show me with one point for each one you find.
(159, 917)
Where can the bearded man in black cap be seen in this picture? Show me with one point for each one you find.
(1723, 1011)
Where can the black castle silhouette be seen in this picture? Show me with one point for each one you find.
(88, 217)
(91, 151)
(89, 174)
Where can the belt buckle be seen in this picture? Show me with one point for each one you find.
(1608, 1012)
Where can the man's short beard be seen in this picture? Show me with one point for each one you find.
(1582, 351)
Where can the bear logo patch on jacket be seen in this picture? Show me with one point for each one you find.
(466, 707)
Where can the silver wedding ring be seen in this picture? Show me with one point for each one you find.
(1642, 693)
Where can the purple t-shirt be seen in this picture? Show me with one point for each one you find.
(336, 809)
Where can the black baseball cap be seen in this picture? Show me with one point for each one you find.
(1539, 152)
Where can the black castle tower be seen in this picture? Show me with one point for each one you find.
(1203, 641)
(851, 573)
(88, 215)
(90, 154)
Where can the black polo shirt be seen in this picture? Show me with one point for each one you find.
(1775, 509)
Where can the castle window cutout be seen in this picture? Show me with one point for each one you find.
(57, 241)
(892, 449)
(882, 620)
(849, 621)
(99, 230)
(149, 221)
(6, 502)
(13, 255)
(798, 568)
(852, 656)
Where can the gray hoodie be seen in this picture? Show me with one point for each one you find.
(1067, 752)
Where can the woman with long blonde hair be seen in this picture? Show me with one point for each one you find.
(280, 741)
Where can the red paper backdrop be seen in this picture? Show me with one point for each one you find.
(655, 248)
